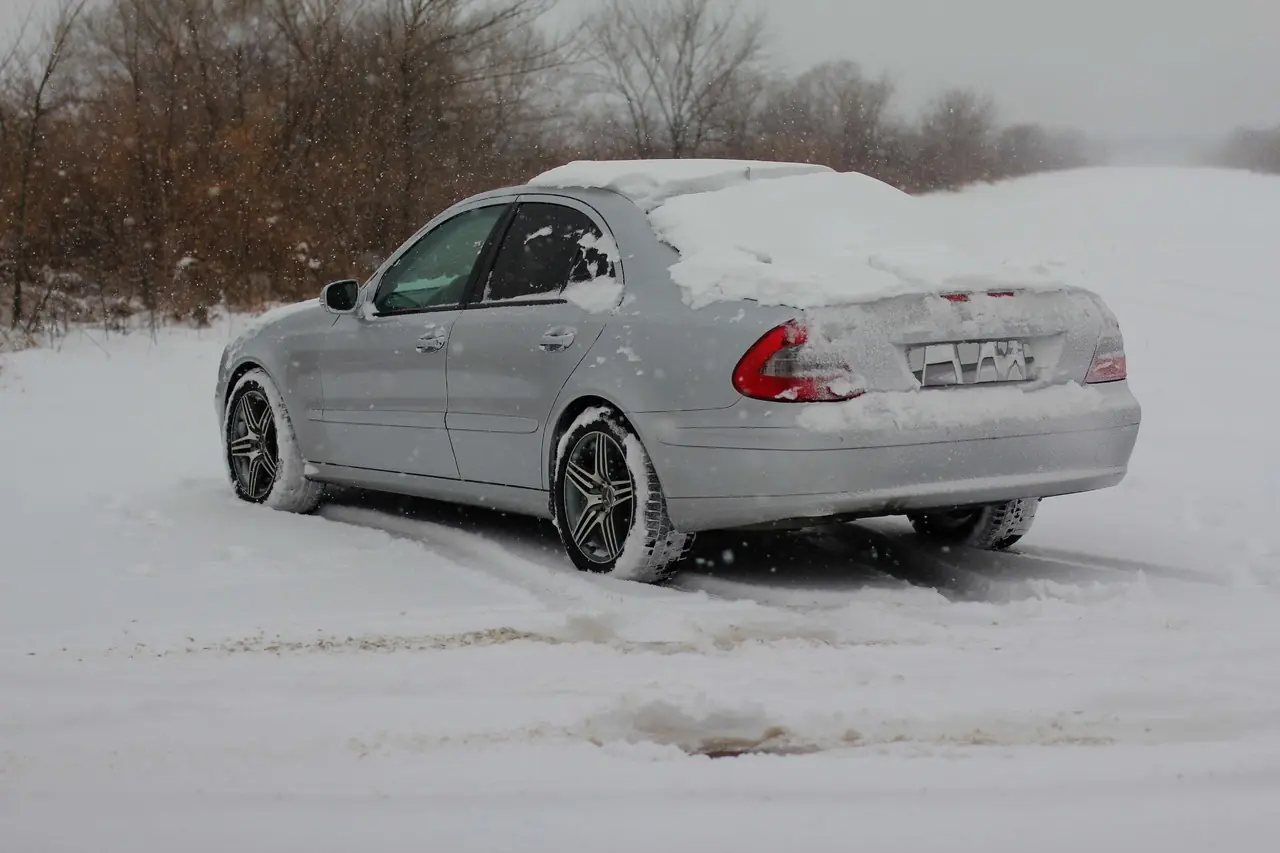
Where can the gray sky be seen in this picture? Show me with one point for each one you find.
(1161, 68)
(1114, 67)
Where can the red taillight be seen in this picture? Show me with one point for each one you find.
(1111, 367)
(780, 367)
(1109, 362)
(964, 297)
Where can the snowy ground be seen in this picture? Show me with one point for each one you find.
(179, 671)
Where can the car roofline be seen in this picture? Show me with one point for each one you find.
(583, 194)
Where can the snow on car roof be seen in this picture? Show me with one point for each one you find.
(796, 234)
(651, 182)
(825, 239)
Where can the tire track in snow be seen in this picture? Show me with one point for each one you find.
(625, 615)
(555, 589)
(968, 574)
(1071, 559)
(842, 585)
(830, 567)
(822, 569)
(596, 608)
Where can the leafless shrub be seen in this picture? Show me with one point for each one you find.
(832, 114)
(34, 96)
(176, 157)
(1255, 149)
(671, 76)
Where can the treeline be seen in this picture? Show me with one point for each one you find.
(170, 156)
(1257, 150)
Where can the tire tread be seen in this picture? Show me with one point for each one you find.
(664, 547)
(292, 491)
(994, 527)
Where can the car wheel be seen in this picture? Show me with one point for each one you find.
(993, 527)
(608, 504)
(262, 455)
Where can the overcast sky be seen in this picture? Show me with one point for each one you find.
(1113, 67)
(1163, 67)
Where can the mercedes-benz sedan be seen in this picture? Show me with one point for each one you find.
(642, 351)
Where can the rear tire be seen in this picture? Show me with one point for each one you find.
(261, 451)
(608, 505)
(993, 527)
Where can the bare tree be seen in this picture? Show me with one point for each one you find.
(438, 52)
(957, 139)
(1022, 149)
(37, 101)
(9, 59)
(834, 113)
(667, 73)
(1254, 149)
(243, 151)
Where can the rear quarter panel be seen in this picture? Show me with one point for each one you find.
(664, 373)
(657, 355)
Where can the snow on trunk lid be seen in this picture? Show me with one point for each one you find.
(825, 239)
(984, 336)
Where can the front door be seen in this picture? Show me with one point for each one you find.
(514, 347)
(384, 378)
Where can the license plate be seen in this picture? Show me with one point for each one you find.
(971, 363)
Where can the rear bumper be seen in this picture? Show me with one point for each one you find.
(893, 480)
(788, 472)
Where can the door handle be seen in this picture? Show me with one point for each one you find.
(557, 339)
(432, 341)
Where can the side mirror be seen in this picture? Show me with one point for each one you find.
(340, 297)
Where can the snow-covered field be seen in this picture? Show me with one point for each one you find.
(179, 671)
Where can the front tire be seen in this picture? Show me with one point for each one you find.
(993, 527)
(608, 504)
(261, 451)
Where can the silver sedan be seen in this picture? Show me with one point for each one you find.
(528, 351)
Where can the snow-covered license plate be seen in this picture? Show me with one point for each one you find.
(971, 363)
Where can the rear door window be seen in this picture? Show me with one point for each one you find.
(547, 247)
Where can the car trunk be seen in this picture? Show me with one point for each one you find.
(967, 336)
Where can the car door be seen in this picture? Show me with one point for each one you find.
(383, 370)
(514, 347)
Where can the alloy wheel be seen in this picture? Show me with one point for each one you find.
(599, 497)
(252, 446)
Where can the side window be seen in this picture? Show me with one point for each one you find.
(435, 270)
(547, 247)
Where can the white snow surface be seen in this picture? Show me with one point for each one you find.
(800, 235)
(827, 239)
(598, 295)
(182, 671)
(651, 182)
